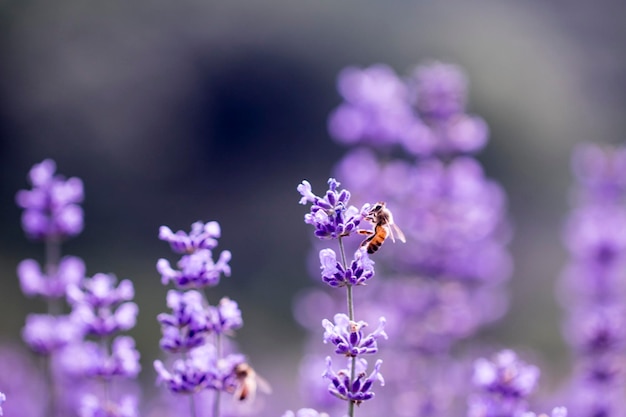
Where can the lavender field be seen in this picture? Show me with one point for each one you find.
(313, 209)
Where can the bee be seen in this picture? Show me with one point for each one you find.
(248, 381)
(382, 219)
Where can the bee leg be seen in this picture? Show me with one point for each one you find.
(370, 235)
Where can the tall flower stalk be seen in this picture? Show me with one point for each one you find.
(593, 283)
(51, 215)
(103, 308)
(411, 143)
(334, 219)
(78, 347)
(195, 330)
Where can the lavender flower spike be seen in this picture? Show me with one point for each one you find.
(331, 215)
(348, 337)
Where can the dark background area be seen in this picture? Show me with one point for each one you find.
(173, 112)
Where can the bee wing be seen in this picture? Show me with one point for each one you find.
(398, 232)
(263, 385)
(243, 392)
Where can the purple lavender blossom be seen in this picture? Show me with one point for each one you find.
(504, 384)
(441, 90)
(100, 307)
(441, 93)
(45, 334)
(90, 359)
(376, 107)
(197, 270)
(601, 171)
(593, 234)
(187, 376)
(225, 317)
(334, 274)
(100, 291)
(453, 223)
(378, 110)
(506, 375)
(92, 406)
(51, 207)
(188, 325)
(202, 236)
(357, 390)
(197, 267)
(596, 331)
(304, 412)
(348, 337)
(201, 370)
(34, 281)
(330, 215)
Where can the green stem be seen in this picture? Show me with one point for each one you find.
(218, 352)
(52, 259)
(192, 399)
(348, 286)
(106, 383)
(192, 405)
(350, 303)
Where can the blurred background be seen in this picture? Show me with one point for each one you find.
(173, 112)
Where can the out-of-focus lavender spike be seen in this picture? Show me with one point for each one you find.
(51, 207)
(503, 386)
(592, 285)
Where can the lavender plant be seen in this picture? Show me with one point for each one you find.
(447, 280)
(99, 309)
(592, 285)
(439, 288)
(52, 214)
(103, 309)
(194, 330)
(333, 218)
